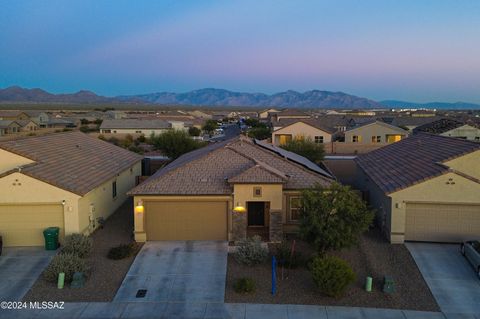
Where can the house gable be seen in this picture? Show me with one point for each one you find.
(467, 164)
(12, 161)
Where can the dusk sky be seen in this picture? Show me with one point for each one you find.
(414, 50)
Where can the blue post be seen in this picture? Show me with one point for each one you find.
(274, 275)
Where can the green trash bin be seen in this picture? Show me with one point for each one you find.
(51, 238)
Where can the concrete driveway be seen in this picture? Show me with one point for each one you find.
(451, 279)
(177, 271)
(19, 269)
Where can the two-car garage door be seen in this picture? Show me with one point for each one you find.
(442, 222)
(23, 225)
(173, 220)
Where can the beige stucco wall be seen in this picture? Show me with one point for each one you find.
(10, 161)
(436, 190)
(301, 129)
(375, 129)
(468, 164)
(272, 193)
(18, 188)
(470, 132)
(101, 201)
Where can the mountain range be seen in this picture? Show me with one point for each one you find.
(219, 97)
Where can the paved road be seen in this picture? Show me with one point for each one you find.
(177, 271)
(230, 131)
(19, 269)
(451, 279)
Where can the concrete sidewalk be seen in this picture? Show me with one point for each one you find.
(159, 310)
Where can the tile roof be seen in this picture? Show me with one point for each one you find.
(260, 173)
(134, 124)
(324, 125)
(207, 171)
(412, 160)
(396, 128)
(72, 161)
(438, 127)
(291, 112)
(5, 123)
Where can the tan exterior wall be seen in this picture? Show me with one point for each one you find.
(436, 190)
(470, 132)
(301, 129)
(375, 129)
(272, 193)
(139, 218)
(468, 164)
(18, 189)
(100, 202)
(9, 161)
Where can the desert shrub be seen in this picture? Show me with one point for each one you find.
(78, 244)
(332, 275)
(135, 149)
(67, 263)
(84, 129)
(283, 253)
(250, 251)
(244, 286)
(141, 139)
(121, 251)
(101, 137)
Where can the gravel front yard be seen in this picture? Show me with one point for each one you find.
(374, 256)
(106, 274)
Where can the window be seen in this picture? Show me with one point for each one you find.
(114, 131)
(319, 139)
(138, 132)
(107, 131)
(356, 139)
(477, 138)
(376, 139)
(295, 208)
(257, 192)
(114, 189)
(283, 139)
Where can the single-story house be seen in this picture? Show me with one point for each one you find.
(424, 188)
(374, 132)
(287, 114)
(11, 115)
(265, 113)
(409, 123)
(9, 127)
(27, 125)
(136, 126)
(38, 117)
(308, 128)
(67, 180)
(451, 128)
(224, 191)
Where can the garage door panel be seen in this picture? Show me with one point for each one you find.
(186, 220)
(442, 222)
(23, 225)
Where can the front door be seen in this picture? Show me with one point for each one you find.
(256, 213)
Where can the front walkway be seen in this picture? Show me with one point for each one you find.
(450, 277)
(20, 268)
(154, 310)
(177, 271)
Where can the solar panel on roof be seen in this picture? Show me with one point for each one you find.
(294, 158)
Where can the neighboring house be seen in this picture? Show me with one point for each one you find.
(200, 115)
(423, 113)
(27, 125)
(409, 123)
(375, 132)
(264, 114)
(309, 128)
(223, 191)
(13, 115)
(424, 188)
(452, 128)
(135, 126)
(287, 114)
(38, 117)
(9, 127)
(360, 113)
(67, 180)
(59, 123)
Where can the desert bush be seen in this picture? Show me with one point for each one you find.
(244, 286)
(283, 253)
(78, 244)
(332, 275)
(67, 263)
(141, 139)
(122, 251)
(250, 251)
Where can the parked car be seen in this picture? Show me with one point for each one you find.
(471, 251)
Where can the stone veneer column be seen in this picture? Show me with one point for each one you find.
(239, 226)
(276, 226)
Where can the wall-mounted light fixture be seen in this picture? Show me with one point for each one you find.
(63, 202)
(139, 209)
(239, 209)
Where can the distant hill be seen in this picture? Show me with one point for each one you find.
(431, 105)
(219, 97)
(18, 94)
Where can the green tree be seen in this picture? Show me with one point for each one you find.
(194, 131)
(260, 133)
(334, 217)
(252, 122)
(84, 121)
(210, 126)
(306, 147)
(175, 143)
